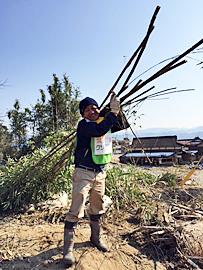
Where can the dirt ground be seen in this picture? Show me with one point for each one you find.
(39, 246)
(181, 171)
(34, 239)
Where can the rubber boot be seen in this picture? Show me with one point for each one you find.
(69, 238)
(96, 233)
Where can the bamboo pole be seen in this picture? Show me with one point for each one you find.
(123, 88)
(163, 70)
(157, 94)
(121, 74)
(58, 147)
(150, 29)
(129, 102)
(177, 65)
(177, 91)
(140, 143)
(152, 95)
(53, 151)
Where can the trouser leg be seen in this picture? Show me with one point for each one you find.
(97, 194)
(82, 183)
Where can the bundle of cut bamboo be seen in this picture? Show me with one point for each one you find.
(68, 142)
(140, 84)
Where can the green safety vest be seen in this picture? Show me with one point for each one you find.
(101, 147)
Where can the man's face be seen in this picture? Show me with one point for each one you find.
(91, 113)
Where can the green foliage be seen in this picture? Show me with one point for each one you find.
(47, 169)
(5, 142)
(169, 179)
(34, 178)
(123, 185)
(58, 112)
(63, 104)
(130, 188)
(18, 124)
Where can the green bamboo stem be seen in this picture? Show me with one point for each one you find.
(57, 147)
(50, 154)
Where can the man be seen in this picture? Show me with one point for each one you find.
(93, 151)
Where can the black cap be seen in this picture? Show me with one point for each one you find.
(86, 102)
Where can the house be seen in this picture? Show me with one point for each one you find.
(157, 158)
(157, 144)
(200, 150)
(194, 146)
(162, 150)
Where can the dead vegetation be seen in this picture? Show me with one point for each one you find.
(166, 233)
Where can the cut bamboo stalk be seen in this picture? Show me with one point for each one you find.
(58, 147)
(144, 43)
(121, 74)
(107, 107)
(140, 143)
(135, 64)
(150, 29)
(129, 102)
(138, 83)
(53, 151)
(177, 65)
(163, 70)
(157, 94)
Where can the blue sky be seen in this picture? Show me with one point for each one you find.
(88, 39)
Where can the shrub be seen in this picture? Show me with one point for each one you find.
(34, 178)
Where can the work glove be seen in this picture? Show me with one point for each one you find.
(114, 103)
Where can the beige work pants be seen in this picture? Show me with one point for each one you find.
(85, 182)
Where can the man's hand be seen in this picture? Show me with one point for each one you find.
(114, 104)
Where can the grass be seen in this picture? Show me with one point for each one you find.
(125, 185)
(129, 187)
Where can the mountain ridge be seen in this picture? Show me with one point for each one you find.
(181, 133)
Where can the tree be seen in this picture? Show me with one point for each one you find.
(63, 104)
(71, 109)
(18, 125)
(5, 143)
(38, 120)
(58, 113)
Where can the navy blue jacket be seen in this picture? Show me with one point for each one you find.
(86, 130)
